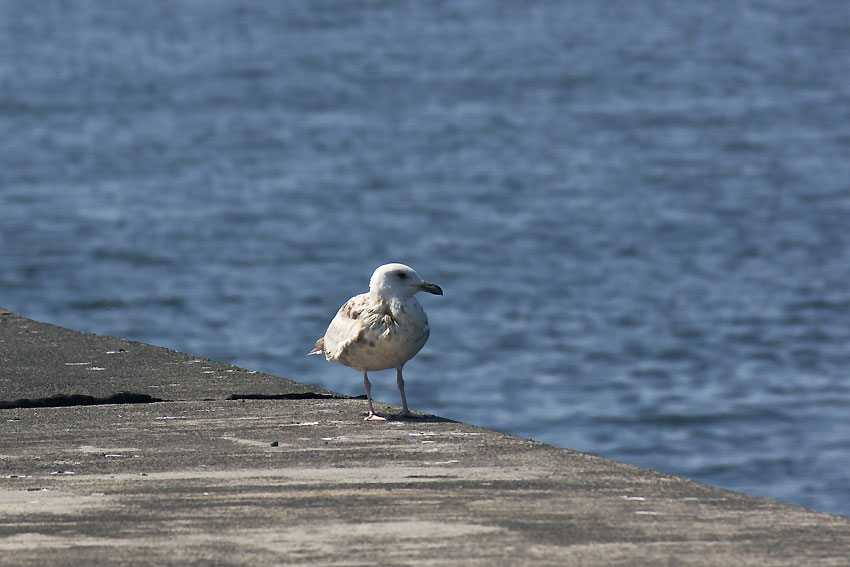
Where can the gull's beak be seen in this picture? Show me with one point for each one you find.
(431, 288)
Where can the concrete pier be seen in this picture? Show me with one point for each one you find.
(114, 452)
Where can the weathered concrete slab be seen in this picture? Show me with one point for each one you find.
(307, 482)
(41, 360)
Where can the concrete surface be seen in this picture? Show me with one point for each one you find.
(303, 480)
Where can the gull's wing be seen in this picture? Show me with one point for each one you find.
(346, 327)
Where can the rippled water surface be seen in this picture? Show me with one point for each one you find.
(639, 212)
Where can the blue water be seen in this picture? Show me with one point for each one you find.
(639, 211)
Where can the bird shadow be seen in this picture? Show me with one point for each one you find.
(419, 418)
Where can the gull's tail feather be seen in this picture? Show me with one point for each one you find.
(320, 347)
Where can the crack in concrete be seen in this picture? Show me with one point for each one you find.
(79, 400)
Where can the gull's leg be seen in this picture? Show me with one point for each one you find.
(405, 412)
(368, 387)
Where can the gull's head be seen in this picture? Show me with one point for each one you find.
(398, 280)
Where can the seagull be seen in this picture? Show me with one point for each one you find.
(381, 329)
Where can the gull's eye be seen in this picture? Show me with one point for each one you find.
(401, 275)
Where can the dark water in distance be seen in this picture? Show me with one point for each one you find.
(638, 211)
